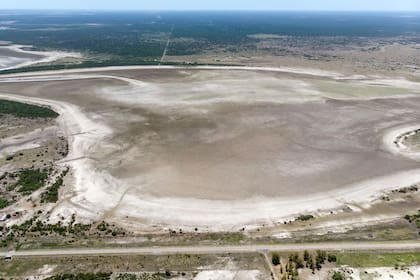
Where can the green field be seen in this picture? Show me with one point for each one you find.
(23, 110)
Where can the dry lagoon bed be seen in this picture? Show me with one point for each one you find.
(223, 147)
(16, 56)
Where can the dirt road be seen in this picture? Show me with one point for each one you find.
(360, 246)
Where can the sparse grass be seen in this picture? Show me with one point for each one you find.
(378, 259)
(175, 264)
(25, 110)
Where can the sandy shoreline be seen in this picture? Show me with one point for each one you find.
(82, 134)
(393, 141)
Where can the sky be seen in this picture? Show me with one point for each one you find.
(313, 5)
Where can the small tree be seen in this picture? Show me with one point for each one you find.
(332, 258)
(275, 259)
(321, 255)
(306, 256)
(311, 264)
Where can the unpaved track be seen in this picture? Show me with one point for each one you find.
(360, 246)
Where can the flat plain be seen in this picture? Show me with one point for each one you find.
(209, 129)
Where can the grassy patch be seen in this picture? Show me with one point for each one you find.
(378, 259)
(168, 265)
(30, 180)
(25, 110)
(4, 203)
(51, 194)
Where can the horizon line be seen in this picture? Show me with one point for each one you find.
(200, 10)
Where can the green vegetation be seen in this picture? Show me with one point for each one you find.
(36, 228)
(4, 203)
(320, 259)
(31, 180)
(332, 258)
(25, 110)
(18, 184)
(415, 218)
(378, 259)
(140, 38)
(275, 259)
(338, 276)
(296, 262)
(306, 256)
(145, 276)
(107, 228)
(150, 267)
(51, 194)
(82, 276)
(304, 218)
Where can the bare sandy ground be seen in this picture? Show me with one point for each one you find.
(222, 148)
(16, 56)
(394, 141)
(34, 139)
(376, 273)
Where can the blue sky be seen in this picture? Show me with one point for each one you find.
(352, 5)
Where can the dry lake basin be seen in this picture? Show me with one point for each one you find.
(223, 147)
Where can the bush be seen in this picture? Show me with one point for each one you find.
(332, 258)
(338, 276)
(306, 256)
(304, 218)
(275, 259)
(320, 258)
(3, 203)
(294, 258)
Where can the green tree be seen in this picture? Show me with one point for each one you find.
(306, 256)
(275, 259)
(332, 258)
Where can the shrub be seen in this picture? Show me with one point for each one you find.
(275, 259)
(3, 203)
(338, 276)
(332, 258)
(305, 218)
